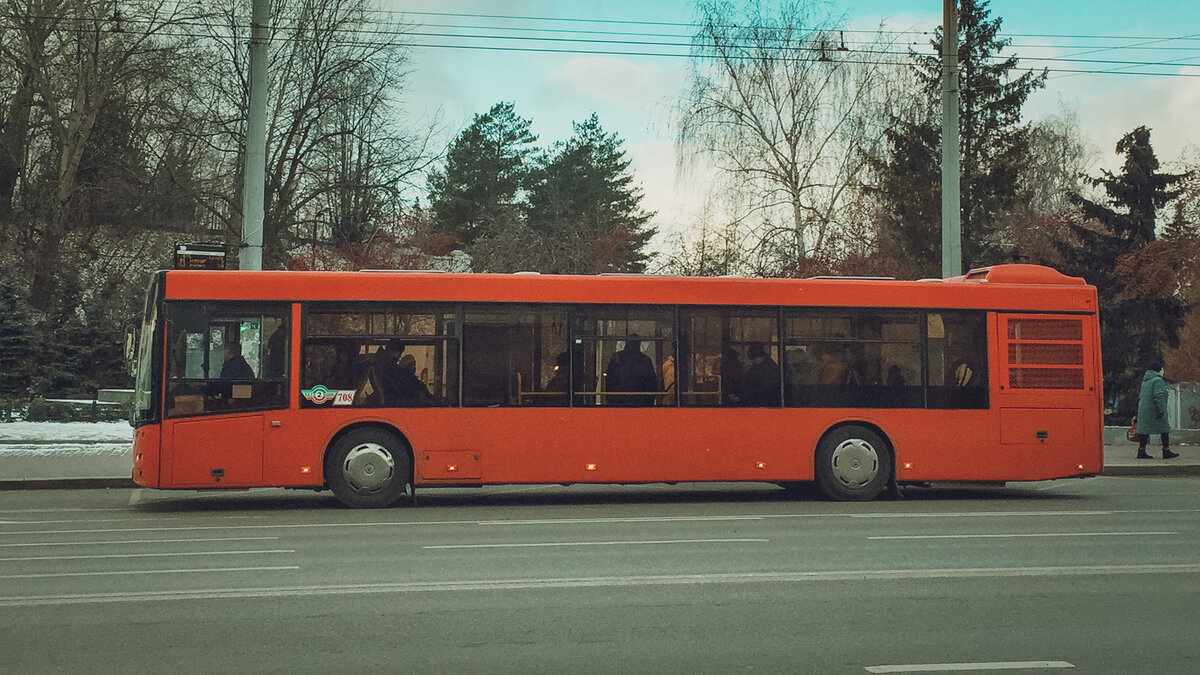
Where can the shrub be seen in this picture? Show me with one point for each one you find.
(41, 410)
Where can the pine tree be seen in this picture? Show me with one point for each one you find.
(477, 193)
(586, 208)
(16, 341)
(1116, 249)
(994, 146)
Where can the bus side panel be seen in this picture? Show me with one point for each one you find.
(146, 454)
(574, 445)
(1000, 445)
(631, 445)
(678, 445)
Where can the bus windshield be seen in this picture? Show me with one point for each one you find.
(143, 411)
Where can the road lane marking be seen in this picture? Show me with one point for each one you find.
(569, 521)
(571, 582)
(66, 510)
(290, 526)
(962, 667)
(602, 543)
(209, 528)
(984, 514)
(48, 575)
(153, 519)
(1008, 536)
(146, 555)
(631, 519)
(190, 540)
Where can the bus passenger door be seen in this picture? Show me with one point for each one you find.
(217, 452)
(226, 372)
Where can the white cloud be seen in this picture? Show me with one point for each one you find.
(610, 80)
(1110, 106)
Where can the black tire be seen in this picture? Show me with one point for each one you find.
(369, 469)
(853, 464)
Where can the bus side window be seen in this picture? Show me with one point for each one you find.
(958, 360)
(379, 355)
(515, 355)
(857, 358)
(619, 354)
(225, 361)
(730, 357)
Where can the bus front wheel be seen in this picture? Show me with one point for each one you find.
(853, 463)
(368, 469)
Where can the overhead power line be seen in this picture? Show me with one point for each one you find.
(676, 45)
(509, 17)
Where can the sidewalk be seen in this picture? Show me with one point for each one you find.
(1120, 459)
(78, 455)
(65, 455)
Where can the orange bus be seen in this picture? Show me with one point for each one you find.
(374, 383)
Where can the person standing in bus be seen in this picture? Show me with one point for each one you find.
(631, 370)
(832, 369)
(761, 386)
(731, 377)
(668, 382)
(1152, 412)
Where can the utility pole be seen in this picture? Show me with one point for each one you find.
(951, 202)
(254, 185)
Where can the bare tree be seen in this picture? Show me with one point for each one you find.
(90, 85)
(336, 156)
(1058, 161)
(788, 114)
(712, 248)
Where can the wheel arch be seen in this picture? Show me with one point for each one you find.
(888, 447)
(867, 424)
(365, 424)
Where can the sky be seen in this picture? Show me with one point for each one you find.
(633, 95)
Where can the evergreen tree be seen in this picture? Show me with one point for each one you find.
(486, 168)
(994, 146)
(16, 341)
(1137, 320)
(584, 204)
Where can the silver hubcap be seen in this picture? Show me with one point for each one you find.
(369, 467)
(855, 463)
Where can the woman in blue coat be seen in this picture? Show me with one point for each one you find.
(1152, 412)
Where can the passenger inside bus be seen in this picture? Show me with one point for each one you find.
(235, 366)
(668, 380)
(832, 369)
(630, 370)
(761, 386)
(731, 377)
(396, 380)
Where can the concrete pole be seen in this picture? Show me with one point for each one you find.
(951, 202)
(254, 186)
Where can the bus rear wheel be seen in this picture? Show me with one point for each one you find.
(853, 463)
(368, 469)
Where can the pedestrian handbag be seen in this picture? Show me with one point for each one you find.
(1131, 433)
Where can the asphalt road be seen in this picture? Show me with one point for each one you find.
(1093, 576)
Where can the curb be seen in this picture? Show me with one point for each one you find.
(1149, 469)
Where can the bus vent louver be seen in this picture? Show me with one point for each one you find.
(1045, 354)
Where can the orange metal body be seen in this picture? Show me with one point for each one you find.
(1024, 435)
